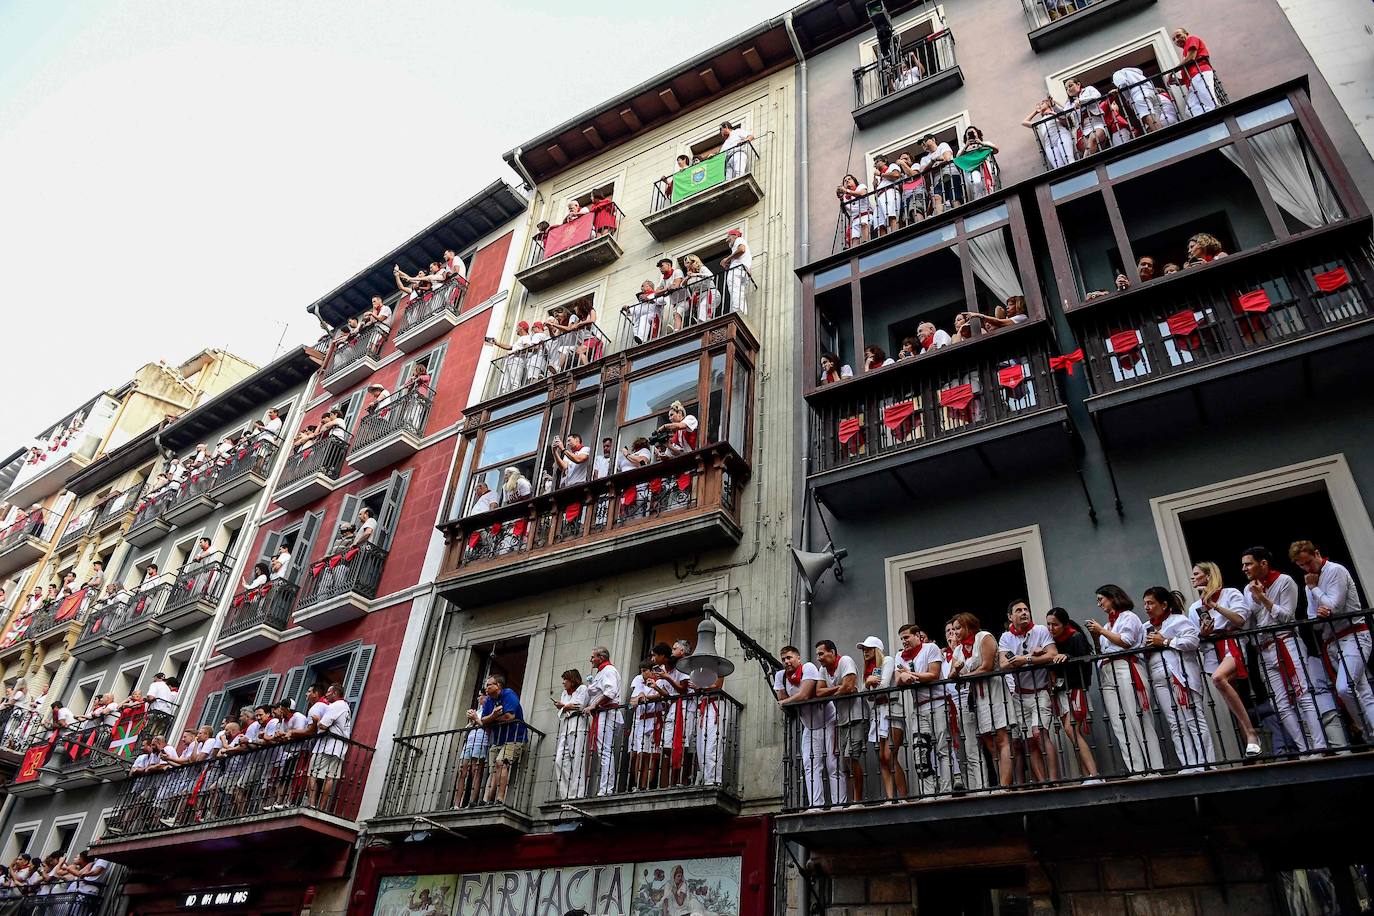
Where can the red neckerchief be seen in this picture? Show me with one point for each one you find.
(1156, 623)
(794, 676)
(1111, 617)
(600, 665)
(1020, 634)
(968, 647)
(1210, 599)
(927, 344)
(831, 668)
(949, 653)
(909, 654)
(831, 376)
(869, 668)
(1271, 578)
(1069, 633)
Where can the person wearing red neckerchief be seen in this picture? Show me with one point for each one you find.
(677, 738)
(921, 662)
(1272, 600)
(1123, 682)
(1176, 677)
(795, 684)
(1344, 638)
(952, 702)
(1032, 704)
(646, 721)
(1218, 612)
(888, 725)
(603, 700)
(841, 682)
(984, 706)
(1071, 687)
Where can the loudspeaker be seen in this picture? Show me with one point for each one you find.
(814, 565)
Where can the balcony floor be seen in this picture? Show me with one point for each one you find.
(704, 206)
(568, 264)
(649, 805)
(895, 103)
(248, 642)
(487, 819)
(22, 553)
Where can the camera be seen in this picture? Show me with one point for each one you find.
(660, 437)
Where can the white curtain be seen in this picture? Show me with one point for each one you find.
(1292, 177)
(993, 265)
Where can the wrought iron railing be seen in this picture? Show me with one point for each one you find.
(203, 581)
(1135, 105)
(78, 527)
(142, 606)
(439, 772)
(931, 398)
(928, 57)
(323, 456)
(323, 774)
(19, 726)
(37, 523)
(250, 458)
(447, 298)
(704, 174)
(61, 613)
(116, 504)
(267, 605)
(103, 617)
(1040, 13)
(937, 188)
(529, 365)
(653, 316)
(349, 348)
(601, 221)
(405, 411)
(357, 570)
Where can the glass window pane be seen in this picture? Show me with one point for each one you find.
(910, 246)
(1271, 112)
(505, 442)
(662, 356)
(512, 409)
(834, 274)
(1166, 151)
(986, 218)
(652, 394)
(715, 413)
(739, 408)
(1073, 185)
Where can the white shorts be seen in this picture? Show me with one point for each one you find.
(1033, 710)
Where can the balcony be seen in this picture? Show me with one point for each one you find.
(429, 777)
(257, 618)
(705, 780)
(430, 317)
(251, 807)
(60, 616)
(58, 903)
(561, 252)
(114, 509)
(138, 623)
(544, 360)
(82, 758)
(311, 473)
(192, 500)
(340, 587)
(245, 474)
(102, 619)
(392, 432)
(27, 540)
(1049, 22)
(938, 190)
(705, 191)
(653, 318)
(18, 729)
(1182, 750)
(352, 358)
(78, 528)
(194, 596)
(669, 509)
(150, 523)
(61, 453)
(925, 69)
(1132, 109)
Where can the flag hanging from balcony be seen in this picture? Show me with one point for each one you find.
(82, 745)
(1011, 376)
(897, 416)
(958, 398)
(567, 235)
(1183, 323)
(69, 606)
(627, 499)
(572, 512)
(34, 758)
(1124, 341)
(1332, 280)
(124, 739)
(1257, 301)
(474, 539)
(699, 177)
(978, 160)
(849, 428)
(517, 530)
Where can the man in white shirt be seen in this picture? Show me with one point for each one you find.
(841, 679)
(603, 700)
(737, 265)
(943, 178)
(670, 292)
(601, 465)
(317, 707)
(287, 729)
(271, 427)
(736, 160)
(574, 459)
(367, 527)
(1031, 699)
(1345, 640)
(796, 683)
(485, 498)
(379, 399)
(62, 717)
(160, 695)
(920, 661)
(931, 337)
(1272, 600)
(281, 563)
(335, 720)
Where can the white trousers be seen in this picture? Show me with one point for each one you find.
(819, 763)
(737, 285)
(1132, 727)
(1349, 655)
(931, 749)
(1202, 93)
(571, 758)
(1293, 703)
(605, 725)
(971, 752)
(1188, 728)
(709, 713)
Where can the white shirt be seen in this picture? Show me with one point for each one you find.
(484, 503)
(253, 732)
(1179, 663)
(1130, 628)
(743, 259)
(928, 654)
(1090, 116)
(1028, 677)
(366, 528)
(298, 720)
(1283, 594)
(577, 472)
(733, 139)
(337, 720)
(623, 462)
(522, 490)
(937, 340)
(1336, 590)
(604, 684)
(66, 717)
(666, 283)
(848, 708)
(1229, 598)
(160, 697)
(601, 466)
(813, 715)
(283, 558)
(271, 428)
(933, 160)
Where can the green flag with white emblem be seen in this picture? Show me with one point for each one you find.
(705, 174)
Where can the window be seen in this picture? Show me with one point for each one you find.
(348, 408)
(506, 657)
(741, 408)
(647, 400)
(584, 199)
(85, 693)
(299, 539)
(514, 444)
(384, 506)
(20, 840)
(679, 621)
(62, 837)
(348, 666)
(129, 679)
(251, 690)
(431, 362)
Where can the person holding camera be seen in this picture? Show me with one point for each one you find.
(682, 433)
(574, 460)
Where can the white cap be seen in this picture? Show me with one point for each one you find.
(872, 642)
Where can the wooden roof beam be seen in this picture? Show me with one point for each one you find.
(556, 154)
(593, 137)
(752, 58)
(670, 100)
(708, 76)
(631, 119)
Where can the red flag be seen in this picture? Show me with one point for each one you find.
(957, 398)
(306, 454)
(34, 758)
(1183, 323)
(896, 415)
(572, 512)
(684, 481)
(318, 567)
(335, 560)
(627, 499)
(82, 746)
(1124, 342)
(243, 453)
(1067, 361)
(1257, 301)
(656, 486)
(69, 606)
(1332, 280)
(473, 539)
(350, 554)
(1011, 376)
(567, 235)
(239, 599)
(518, 529)
(849, 428)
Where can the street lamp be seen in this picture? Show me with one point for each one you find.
(705, 666)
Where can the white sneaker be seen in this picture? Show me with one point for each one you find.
(1095, 781)
(1253, 749)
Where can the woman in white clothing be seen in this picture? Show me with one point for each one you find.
(858, 209)
(571, 754)
(983, 701)
(1176, 678)
(1122, 679)
(887, 181)
(1219, 612)
(514, 486)
(1056, 140)
(701, 288)
(888, 725)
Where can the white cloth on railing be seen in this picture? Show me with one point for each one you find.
(1292, 176)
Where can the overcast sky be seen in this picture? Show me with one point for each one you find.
(183, 174)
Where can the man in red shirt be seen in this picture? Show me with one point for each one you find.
(1197, 73)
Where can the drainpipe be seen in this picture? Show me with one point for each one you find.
(803, 209)
(524, 172)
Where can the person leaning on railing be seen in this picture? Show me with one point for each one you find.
(1176, 677)
(856, 209)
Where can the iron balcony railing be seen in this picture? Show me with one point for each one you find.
(324, 774)
(1190, 325)
(159, 502)
(655, 315)
(439, 772)
(268, 605)
(38, 524)
(202, 581)
(357, 570)
(704, 174)
(116, 504)
(54, 899)
(104, 616)
(687, 743)
(447, 298)
(323, 456)
(928, 57)
(19, 726)
(602, 220)
(349, 348)
(254, 457)
(930, 191)
(141, 606)
(1303, 690)
(1040, 13)
(930, 398)
(77, 527)
(61, 613)
(405, 411)
(1135, 105)
(583, 345)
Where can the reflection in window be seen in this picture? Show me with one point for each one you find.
(739, 407)
(505, 442)
(715, 407)
(653, 393)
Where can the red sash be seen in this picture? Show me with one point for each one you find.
(1287, 668)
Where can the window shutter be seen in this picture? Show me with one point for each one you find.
(269, 547)
(348, 511)
(305, 545)
(358, 667)
(295, 687)
(391, 507)
(211, 711)
(267, 689)
(432, 360)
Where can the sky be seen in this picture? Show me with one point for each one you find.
(187, 174)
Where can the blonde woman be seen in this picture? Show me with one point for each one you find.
(1218, 613)
(888, 723)
(702, 286)
(514, 486)
(1203, 248)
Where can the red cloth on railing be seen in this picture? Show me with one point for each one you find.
(959, 397)
(572, 511)
(1011, 376)
(568, 235)
(518, 529)
(627, 499)
(1256, 301)
(496, 530)
(350, 554)
(849, 428)
(1183, 323)
(70, 605)
(1124, 342)
(473, 539)
(656, 486)
(335, 560)
(896, 416)
(318, 566)
(684, 481)
(1332, 280)
(1067, 361)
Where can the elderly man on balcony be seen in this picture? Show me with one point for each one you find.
(603, 700)
(737, 265)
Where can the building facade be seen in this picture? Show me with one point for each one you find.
(1083, 392)
(549, 560)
